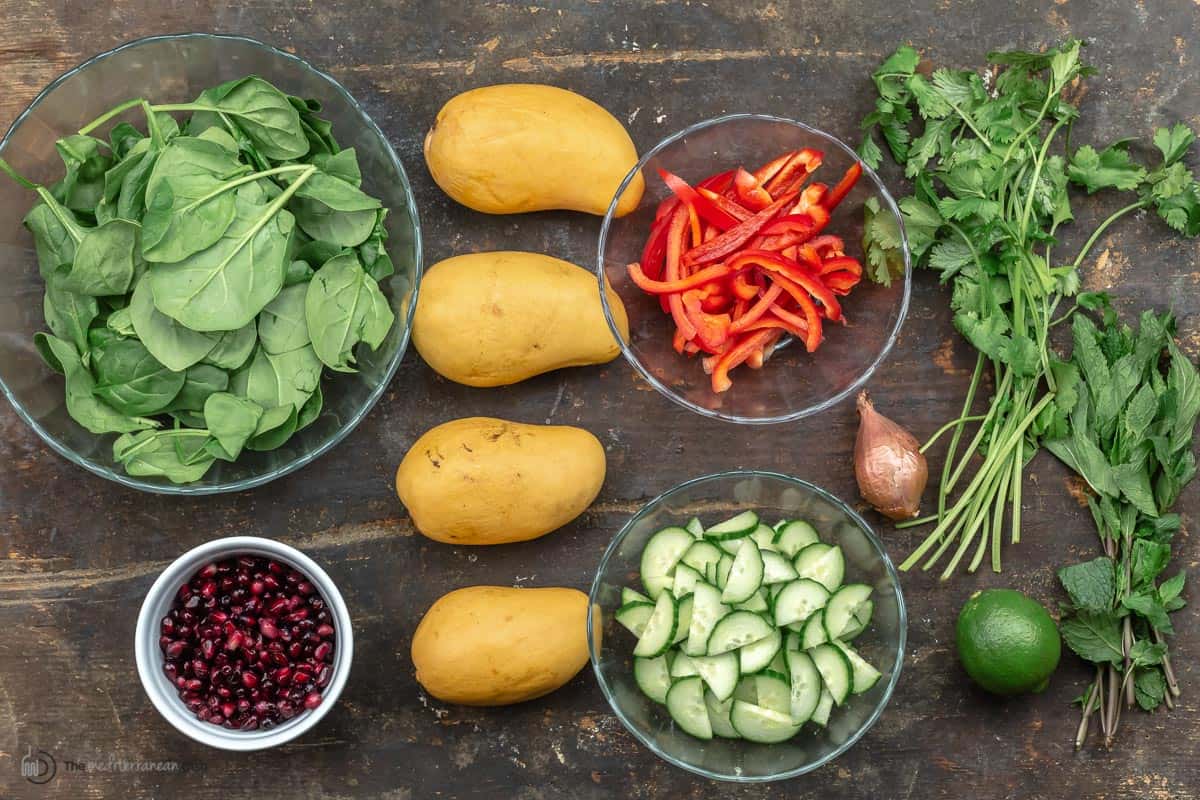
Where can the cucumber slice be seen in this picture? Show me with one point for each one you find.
(737, 629)
(683, 666)
(659, 632)
(685, 580)
(773, 692)
(820, 715)
(683, 619)
(862, 675)
(862, 618)
(731, 546)
(813, 632)
(662, 553)
(653, 677)
(745, 574)
(685, 704)
(760, 654)
(634, 616)
(806, 686)
(718, 716)
(719, 673)
(835, 670)
(633, 596)
(694, 527)
(798, 600)
(842, 606)
(721, 570)
(794, 536)
(778, 526)
(764, 537)
(758, 724)
(707, 608)
(777, 569)
(745, 690)
(757, 603)
(734, 527)
(822, 563)
(791, 642)
(779, 663)
(700, 555)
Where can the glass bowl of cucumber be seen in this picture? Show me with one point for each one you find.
(752, 626)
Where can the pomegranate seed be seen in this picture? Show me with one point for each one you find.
(268, 629)
(277, 607)
(304, 587)
(297, 615)
(323, 676)
(283, 675)
(312, 700)
(207, 571)
(323, 651)
(193, 602)
(300, 678)
(174, 650)
(286, 709)
(234, 641)
(193, 685)
(208, 589)
(167, 626)
(249, 680)
(250, 723)
(324, 630)
(295, 649)
(227, 709)
(257, 587)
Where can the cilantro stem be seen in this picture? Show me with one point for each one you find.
(952, 423)
(1001, 394)
(915, 523)
(107, 115)
(1018, 463)
(954, 440)
(998, 512)
(1096, 234)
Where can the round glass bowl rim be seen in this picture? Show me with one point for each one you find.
(351, 423)
(854, 517)
(631, 357)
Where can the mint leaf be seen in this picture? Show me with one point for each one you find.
(1134, 483)
(1094, 637)
(1148, 606)
(1108, 169)
(1092, 585)
(1149, 560)
(1146, 654)
(1150, 688)
(1171, 588)
(1174, 142)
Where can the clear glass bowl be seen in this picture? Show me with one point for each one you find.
(794, 383)
(167, 69)
(773, 496)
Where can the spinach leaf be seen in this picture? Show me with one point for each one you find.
(276, 427)
(315, 253)
(281, 324)
(86, 163)
(223, 287)
(120, 322)
(69, 315)
(312, 409)
(232, 420)
(201, 381)
(56, 232)
(373, 252)
(262, 112)
(176, 346)
(297, 272)
(157, 454)
(105, 261)
(233, 347)
(131, 380)
(116, 174)
(330, 209)
(123, 138)
(82, 404)
(343, 165)
(285, 379)
(343, 306)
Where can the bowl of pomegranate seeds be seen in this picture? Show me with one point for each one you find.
(243, 643)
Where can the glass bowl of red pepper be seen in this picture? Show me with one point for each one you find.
(742, 271)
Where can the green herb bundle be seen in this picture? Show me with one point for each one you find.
(1129, 435)
(199, 277)
(990, 167)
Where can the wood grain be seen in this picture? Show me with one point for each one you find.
(79, 552)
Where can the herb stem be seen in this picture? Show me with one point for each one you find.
(107, 115)
(915, 523)
(1088, 708)
(1096, 234)
(1018, 463)
(952, 423)
(1001, 393)
(1168, 672)
(954, 440)
(16, 176)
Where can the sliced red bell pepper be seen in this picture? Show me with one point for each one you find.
(744, 285)
(750, 191)
(698, 278)
(796, 171)
(666, 208)
(677, 341)
(841, 264)
(730, 207)
(718, 182)
(769, 170)
(717, 303)
(841, 282)
(807, 328)
(735, 356)
(655, 251)
(735, 237)
(708, 211)
(842, 187)
(791, 252)
(674, 270)
(811, 196)
(751, 315)
(712, 330)
(759, 357)
(793, 272)
(828, 245)
(694, 224)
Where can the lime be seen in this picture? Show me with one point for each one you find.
(1007, 642)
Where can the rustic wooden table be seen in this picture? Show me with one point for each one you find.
(80, 552)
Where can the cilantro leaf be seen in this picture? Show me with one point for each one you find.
(1094, 637)
(1174, 142)
(894, 72)
(1092, 585)
(949, 257)
(882, 243)
(1110, 168)
(869, 152)
(1022, 355)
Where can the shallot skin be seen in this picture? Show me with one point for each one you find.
(888, 464)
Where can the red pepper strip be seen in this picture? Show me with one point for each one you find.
(750, 191)
(666, 208)
(694, 221)
(769, 170)
(717, 183)
(811, 196)
(744, 287)
(841, 264)
(843, 187)
(708, 211)
(794, 273)
(712, 330)
(730, 207)
(735, 356)
(716, 303)
(803, 164)
(674, 271)
(698, 278)
(677, 341)
(691, 348)
(735, 237)
(754, 313)
(809, 257)
(759, 356)
(790, 252)
(793, 324)
(808, 328)
(655, 250)
(829, 245)
(841, 282)
(791, 223)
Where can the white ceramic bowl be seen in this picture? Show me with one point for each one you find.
(150, 658)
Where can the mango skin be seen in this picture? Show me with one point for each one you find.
(497, 318)
(479, 480)
(495, 645)
(518, 147)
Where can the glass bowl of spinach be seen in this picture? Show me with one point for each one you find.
(211, 260)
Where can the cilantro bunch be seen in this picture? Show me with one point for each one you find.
(990, 169)
(1129, 435)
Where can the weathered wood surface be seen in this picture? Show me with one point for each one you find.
(79, 552)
